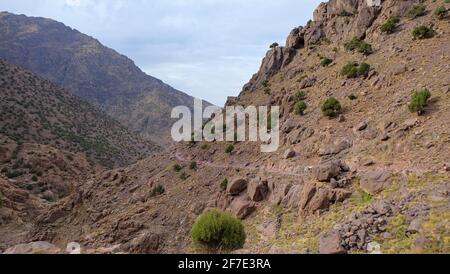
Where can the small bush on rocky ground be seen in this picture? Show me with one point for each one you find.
(183, 176)
(441, 12)
(193, 166)
(224, 185)
(217, 231)
(352, 97)
(354, 70)
(177, 168)
(331, 108)
(34, 178)
(359, 45)
(229, 149)
(157, 191)
(416, 11)
(299, 96)
(274, 45)
(419, 101)
(326, 62)
(423, 32)
(390, 25)
(300, 108)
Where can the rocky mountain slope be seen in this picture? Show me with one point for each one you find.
(373, 178)
(34, 110)
(91, 71)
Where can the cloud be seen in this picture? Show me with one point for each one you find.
(207, 48)
(73, 3)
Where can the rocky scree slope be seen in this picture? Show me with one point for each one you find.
(376, 174)
(91, 71)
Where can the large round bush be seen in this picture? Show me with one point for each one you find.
(219, 231)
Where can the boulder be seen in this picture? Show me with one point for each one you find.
(289, 153)
(237, 186)
(335, 148)
(242, 207)
(381, 207)
(330, 243)
(146, 243)
(376, 181)
(257, 190)
(34, 248)
(415, 226)
(325, 172)
(361, 126)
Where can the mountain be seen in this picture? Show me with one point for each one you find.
(373, 177)
(93, 72)
(34, 110)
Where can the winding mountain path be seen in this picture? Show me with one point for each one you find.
(182, 158)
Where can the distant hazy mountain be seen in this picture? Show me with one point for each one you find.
(91, 71)
(34, 110)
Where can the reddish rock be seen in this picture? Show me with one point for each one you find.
(242, 207)
(237, 186)
(257, 190)
(330, 243)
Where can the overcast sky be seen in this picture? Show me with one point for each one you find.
(206, 48)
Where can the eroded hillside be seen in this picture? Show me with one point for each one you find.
(374, 174)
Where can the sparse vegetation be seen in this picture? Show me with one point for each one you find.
(183, 176)
(326, 62)
(419, 101)
(274, 45)
(229, 149)
(441, 12)
(354, 70)
(423, 32)
(193, 165)
(177, 168)
(416, 11)
(300, 108)
(224, 184)
(331, 108)
(299, 96)
(359, 45)
(217, 231)
(390, 25)
(157, 191)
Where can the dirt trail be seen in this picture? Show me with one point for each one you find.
(181, 158)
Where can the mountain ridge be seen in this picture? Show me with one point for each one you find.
(92, 71)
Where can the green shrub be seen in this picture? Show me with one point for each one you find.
(353, 70)
(363, 69)
(177, 168)
(183, 176)
(300, 108)
(326, 62)
(193, 166)
(229, 149)
(416, 11)
(331, 108)
(359, 45)
(34, 178)
(218, 231)
(274, 45)
(14, 174)
(157, 191)
(423, 32)
(441, 12)
(299, 96)
(224, 185)
(390, 25)
(419, 101)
